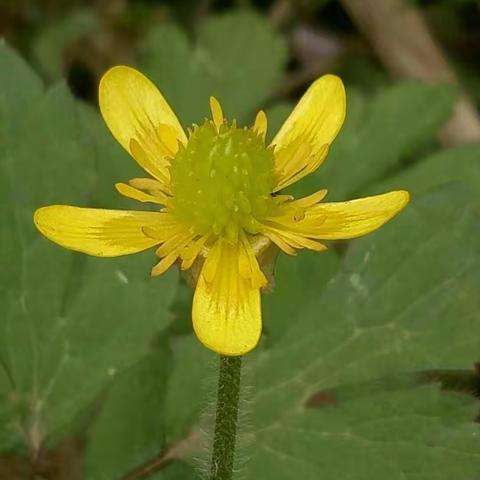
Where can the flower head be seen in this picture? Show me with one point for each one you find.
(217, 188)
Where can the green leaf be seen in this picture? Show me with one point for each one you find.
(189, 74)
(403, 301)
(186, 399)
(378, 135)
(405, 434)
(179, 470)
(18, 82)
(459, 164)
(130, 429)
(133, 426)
(301, 278)
(53, 41)
(276, 115)
(190, 387)
(49, 146)
(181, 309)
(112, 164)
(70, 323)
(152, 410)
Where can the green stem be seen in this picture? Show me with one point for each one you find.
(226, 418)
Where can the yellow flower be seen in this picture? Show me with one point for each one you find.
(218, 188)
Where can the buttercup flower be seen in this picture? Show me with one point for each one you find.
(217, 188)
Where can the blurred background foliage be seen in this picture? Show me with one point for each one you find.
(367, 365)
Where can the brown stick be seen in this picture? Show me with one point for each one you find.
(403, 42)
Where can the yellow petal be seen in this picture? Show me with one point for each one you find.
(261, 124)
(314, 122)
(155, 165)
(296, 161)
(298, 241)
(217, 112)
(169, 137)
(189, 254)
(175, 244)
(130, 103)
(226, 308)
(134, 109)
(148, 184)
(280, 242)
(310, 200)
(289, 241)
(136, 194)
(247, 263)
(343, 220)
(164, 264)
(103, 233)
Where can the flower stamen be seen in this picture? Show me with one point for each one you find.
(222, 180)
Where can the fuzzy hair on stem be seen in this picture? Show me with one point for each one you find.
(226, 418)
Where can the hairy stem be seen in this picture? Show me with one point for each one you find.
(226, 418)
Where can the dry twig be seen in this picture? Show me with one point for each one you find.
(403, 42)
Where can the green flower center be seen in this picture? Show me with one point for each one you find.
(222, 181)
